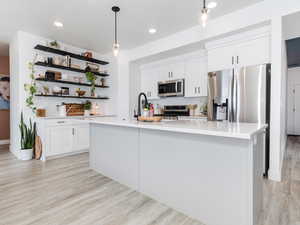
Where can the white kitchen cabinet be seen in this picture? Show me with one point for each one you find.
(195, 77)
(254, 52)
(60, 140)
(221, 58)
(171, 70)
(244, 49)
(81, 137)
(149, 79)
(64, 136)
(177, 70)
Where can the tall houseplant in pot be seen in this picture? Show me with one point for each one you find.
(27, 139)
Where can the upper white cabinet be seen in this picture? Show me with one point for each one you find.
(149, 78)
(192, 68)
(170, 70)
(220, 58)
(195, 77)
(244, 49)
(254, 52)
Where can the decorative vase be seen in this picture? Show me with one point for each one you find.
(86, 112)
(26, 154)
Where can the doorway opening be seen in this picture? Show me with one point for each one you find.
(4, 97)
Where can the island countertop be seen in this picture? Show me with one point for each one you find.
(211, 128)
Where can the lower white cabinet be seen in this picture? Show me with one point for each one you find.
(64, 136)
(68, 138)
(60, 140)
(81, 137)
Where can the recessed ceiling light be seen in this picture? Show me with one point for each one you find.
(58, 24)
(152, 30)
(212, 5)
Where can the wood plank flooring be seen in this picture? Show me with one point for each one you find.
(65, 191)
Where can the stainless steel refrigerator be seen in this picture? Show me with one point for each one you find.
(241, 95)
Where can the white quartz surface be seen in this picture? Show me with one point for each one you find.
(72, 117)
(212, 128)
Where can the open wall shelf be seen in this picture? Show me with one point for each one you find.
(68, 68)
(72, 55)
(69, 82)
(69, 96)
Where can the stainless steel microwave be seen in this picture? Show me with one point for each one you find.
(171, 88)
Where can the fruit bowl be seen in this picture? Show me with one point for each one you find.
(80, 93)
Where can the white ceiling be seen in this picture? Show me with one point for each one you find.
(89, 23)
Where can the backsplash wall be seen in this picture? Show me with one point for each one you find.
(181, 101)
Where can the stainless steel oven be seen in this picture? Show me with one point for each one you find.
(171, 88)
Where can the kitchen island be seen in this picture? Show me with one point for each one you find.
(211, 171)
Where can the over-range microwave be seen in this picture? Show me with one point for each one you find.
(171, 88)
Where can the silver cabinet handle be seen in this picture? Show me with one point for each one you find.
(198, 90)
(73, 131)
(232, 60)
(61, 121)
(237, 60)
(195, 91)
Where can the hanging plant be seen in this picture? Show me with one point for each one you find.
(91, 77)
(31, 88)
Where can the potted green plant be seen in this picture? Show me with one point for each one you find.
(91, 77)
(27, 139)
(87, 108)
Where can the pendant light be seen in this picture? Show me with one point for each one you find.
(116, 45)
(204, 14)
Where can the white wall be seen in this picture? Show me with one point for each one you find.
(265, 12)
(22, 52)
(293, 79)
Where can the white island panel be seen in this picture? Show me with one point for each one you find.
(114, 153)
(202, 176)
(215, 179)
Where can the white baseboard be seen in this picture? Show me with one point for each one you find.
(4, 142)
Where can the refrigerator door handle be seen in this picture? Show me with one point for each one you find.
(230, 97)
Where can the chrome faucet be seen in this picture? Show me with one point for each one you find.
(139, 103)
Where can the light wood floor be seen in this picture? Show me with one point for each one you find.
(65, 191)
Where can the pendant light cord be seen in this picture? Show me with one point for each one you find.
(115, 27)
(204, 4)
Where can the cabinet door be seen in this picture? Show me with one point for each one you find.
(149, 82)
(195, 77)
(61, 140)
(254, 52)
(177, 70)
(81, 137)
(221, 58)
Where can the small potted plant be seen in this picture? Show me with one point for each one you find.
(91, 77)
(87, 108)
(27, 139)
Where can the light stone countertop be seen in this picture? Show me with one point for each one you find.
(211, 128)
(72, 117)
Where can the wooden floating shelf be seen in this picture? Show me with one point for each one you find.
(72, 55)
(68, 68)
(69, 82)
(69, 96)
